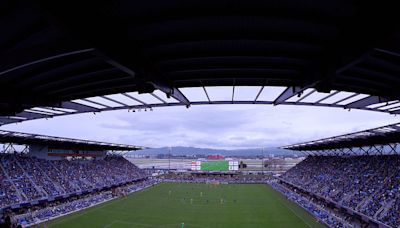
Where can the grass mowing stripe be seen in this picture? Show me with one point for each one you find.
(196, 205)
(295, 213)
(289, 204)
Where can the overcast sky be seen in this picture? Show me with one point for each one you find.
(210, 126)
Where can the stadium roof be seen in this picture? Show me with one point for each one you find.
(373, 137)
(55, 55)
(52, 141)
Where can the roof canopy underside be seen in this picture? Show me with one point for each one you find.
(365, 140)
(21, 138)
(55, 55)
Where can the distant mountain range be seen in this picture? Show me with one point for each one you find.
(206, 151)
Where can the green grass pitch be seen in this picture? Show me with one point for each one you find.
(195, 205)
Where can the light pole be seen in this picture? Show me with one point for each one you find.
(262, 160)
(169, 159)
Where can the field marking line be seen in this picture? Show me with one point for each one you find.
(147, 225)
(126, 222)
(82, 212)
(281, 198)
(280, 201)
(97, 206)
(109, 224)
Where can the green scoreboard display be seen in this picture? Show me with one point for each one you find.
(218, 166)
(215, 166)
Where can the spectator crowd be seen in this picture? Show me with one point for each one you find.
(319, 210)
(212, 178)
(25, 179)
(42, 213)
(369, 185)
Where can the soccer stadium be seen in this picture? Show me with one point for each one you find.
(286, 112)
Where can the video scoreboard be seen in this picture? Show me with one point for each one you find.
(216, 166)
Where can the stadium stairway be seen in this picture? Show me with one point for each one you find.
(347, 197)
(56, 186)
(92, 185)
(22, 197)
(39, 189)
(361, 206)
(60, 178)
(377, 194)
(365, 183)
(384, 210)
(333, 196)
(75, 187)
(316, 205)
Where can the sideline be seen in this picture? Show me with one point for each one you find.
(148, 225)
(84, 208)
(280, 201)
(284, 204)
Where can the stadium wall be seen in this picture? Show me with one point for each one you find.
(49, 153)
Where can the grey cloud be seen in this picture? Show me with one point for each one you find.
(237, 138)
(231, 126)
